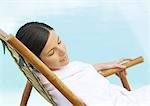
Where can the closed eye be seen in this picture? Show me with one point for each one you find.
(51, 52)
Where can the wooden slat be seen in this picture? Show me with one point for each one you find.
(124, 81)
(26, 94)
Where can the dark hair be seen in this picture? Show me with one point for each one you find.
(34, 36)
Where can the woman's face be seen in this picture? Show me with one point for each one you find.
(54, 54)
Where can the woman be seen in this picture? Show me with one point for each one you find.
(82, 78)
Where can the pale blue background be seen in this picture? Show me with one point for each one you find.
(93, 30)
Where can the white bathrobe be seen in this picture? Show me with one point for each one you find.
(93, 88)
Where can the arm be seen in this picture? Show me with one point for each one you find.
(120, 72)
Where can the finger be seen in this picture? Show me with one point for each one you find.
(124, 59)
(120, 66)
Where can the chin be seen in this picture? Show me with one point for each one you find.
(62, 64)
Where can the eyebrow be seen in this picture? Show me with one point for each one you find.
(53, 47)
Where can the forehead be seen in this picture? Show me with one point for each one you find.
(51, 42)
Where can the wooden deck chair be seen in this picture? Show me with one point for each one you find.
(23, 57)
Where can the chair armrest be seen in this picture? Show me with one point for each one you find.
(128, 64)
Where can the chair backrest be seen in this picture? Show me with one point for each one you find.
(16, 49)
(27, 70)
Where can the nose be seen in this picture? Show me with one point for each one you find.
(61, 50)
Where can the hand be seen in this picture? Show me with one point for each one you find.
(109, 65)
(118, 63)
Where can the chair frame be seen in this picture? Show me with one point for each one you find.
(36, 62)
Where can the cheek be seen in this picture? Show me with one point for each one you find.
(51, 62)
